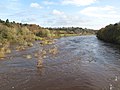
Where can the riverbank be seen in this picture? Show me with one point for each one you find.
(23, 35)
(110, 33)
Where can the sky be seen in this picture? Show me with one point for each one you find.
(93, 14)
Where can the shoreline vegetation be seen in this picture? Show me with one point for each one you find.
(111, 33)
(23, 35)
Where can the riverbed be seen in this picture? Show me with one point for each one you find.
(82, 63)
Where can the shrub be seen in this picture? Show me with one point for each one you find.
(110, 33)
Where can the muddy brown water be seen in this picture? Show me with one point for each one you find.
(82, 63)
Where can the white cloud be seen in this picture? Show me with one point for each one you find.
(11, 5)
(49, 3)
(78, 2)
(69, 20)
(14, 0)
(28, 20)
(57, 12)
(61, 19)
(101, 12)
(35, 5)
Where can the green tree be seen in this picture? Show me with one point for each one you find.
(7, 21)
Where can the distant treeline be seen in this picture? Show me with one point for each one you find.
(110, 33)
(74, 30)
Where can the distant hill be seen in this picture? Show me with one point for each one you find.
(110, 33)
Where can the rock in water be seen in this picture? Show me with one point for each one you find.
(2, 54)
(8, 51)
(40, 63)
(28, 56)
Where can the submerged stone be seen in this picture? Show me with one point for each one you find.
(28, 56)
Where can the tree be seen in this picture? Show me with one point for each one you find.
(13, 21)
(7, 21)
(1, 21)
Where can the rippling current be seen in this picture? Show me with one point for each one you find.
(82, 63)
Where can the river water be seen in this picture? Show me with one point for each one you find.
(82, 63)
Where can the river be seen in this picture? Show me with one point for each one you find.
(82, 63)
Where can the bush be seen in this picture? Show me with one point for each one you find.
(110, 33)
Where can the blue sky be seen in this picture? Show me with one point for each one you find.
(93, 14)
